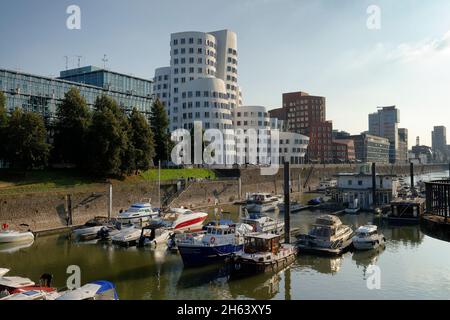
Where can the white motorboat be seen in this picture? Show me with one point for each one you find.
(90, 228)
(128, 236)
(327, 233)
(138, 213)
(12, 236)
(19, 288)
(294, 206)
(182, 220)
(368, 238)
(264, 224)
(98, 290)
(261, 202)
(33, 295)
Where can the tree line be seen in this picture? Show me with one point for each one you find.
(104, 141)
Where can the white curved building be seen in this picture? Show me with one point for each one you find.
(251, 117)
(199, 55)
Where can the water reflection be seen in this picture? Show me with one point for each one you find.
(364, 259)
(15, 247)
(324, 265)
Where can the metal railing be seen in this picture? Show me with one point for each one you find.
(438, 198)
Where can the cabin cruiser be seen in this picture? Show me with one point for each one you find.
(98, 290)
(263, 224)
(19, 288)
(261, 202)
(294, 207)
(12, 236)
(91, 228)
(327, 233)
(182, 220)
(368, 238)
(138, 213)
(324, 185)
(216, 244)
(262, 252)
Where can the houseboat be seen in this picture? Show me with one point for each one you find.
(262, 252)
(368, 238)
(328, 235)
(406, 210)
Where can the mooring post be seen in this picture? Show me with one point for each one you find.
(374, 185)
(240, 188)
(110, 202)
(449, 170)
(69, 209)
(287, 202)
(411, 172)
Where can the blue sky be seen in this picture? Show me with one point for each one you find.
(319, 46)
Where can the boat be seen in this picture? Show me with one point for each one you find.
(325, 185)
(293, 207)
(263, 224)
(98, 290)
(182, 220)
(138, 213)
(261, 202)
(406, 210)
(315, 202)
(18, 288)
(353, 208)
(368, 238)
(13, 236)
(129, 235)
(90, 229)
(328, 235)
(154, 235)
(216, 244)
(262, 252)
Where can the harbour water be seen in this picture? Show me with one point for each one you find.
(412, 266)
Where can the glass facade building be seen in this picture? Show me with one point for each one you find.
(43, 94)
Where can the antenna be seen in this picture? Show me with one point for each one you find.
(79, 61)
(105, 60)
(67, 62)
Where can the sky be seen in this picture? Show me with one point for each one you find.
(322, 47)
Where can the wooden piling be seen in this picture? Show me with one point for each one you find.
(287, 202)
(69, 210)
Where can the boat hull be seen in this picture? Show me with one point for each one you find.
(15, 237)
(202, 255)
(243, 267)
(369, 244)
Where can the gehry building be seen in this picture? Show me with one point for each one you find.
(201, 82)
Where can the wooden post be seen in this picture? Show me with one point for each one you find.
(287, 202)
(109, 201)
(299, 183)
(411, 172)
(240, 188)
(69, 210)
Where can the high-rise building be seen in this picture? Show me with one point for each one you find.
(439, 143)
(403, 145)
(201, 83)
(370, 148)
(384, 123)
(41, 94)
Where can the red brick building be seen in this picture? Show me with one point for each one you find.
(306, 115)
(344, 151)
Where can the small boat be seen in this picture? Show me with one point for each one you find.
(218, 243)
(182, 220)
(90, 229)
(12, 236)
(261, 202)
(368, 238)
(328, 235)
(138, 213)
(353, 208)
(129, 235)
(315, 201)
(19, 288)
(325, 185)
(98, 290)
(154, 235)
(263, 224)
(294, 207)
(262, 252)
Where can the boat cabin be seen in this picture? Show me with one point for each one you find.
(260, 197)
(325, 227)
(262, 242)
(366, 231)
(408, 209)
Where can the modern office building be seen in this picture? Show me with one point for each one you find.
(337, 134)
(370, 148)
(439, 143)
(201, 83)
(344, 151)
(384, 123)
(403, 145)
(43, 94)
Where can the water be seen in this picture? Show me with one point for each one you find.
(413, 266)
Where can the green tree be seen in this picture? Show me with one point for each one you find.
(26, 146)
(159, 122)
(141, 140)
(73, 118)
(107, 138)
